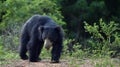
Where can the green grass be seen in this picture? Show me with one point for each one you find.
(94, 62)
(4, 59)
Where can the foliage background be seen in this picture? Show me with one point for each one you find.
(92, 27)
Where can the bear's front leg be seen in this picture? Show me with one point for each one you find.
(56, 52)
(33, 52)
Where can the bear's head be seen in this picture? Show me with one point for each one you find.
(49, 35)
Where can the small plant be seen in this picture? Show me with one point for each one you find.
(106, 62)
(45, 53)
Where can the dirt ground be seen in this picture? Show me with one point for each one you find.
(43, 63)
(46, 63)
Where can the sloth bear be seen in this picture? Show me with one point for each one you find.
(37, 32)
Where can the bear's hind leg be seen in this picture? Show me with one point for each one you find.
(23, 46)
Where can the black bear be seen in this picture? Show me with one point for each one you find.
(37, 32)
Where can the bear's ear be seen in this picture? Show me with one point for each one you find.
(41, 28)
(58, 28)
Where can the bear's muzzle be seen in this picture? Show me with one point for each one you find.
(47, 44)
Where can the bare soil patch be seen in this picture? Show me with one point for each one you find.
(63, 63)
(43, 63)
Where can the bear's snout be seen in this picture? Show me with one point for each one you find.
(47, 44)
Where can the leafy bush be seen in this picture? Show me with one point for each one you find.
(10, 38)
(74, 50)
(18, 11)
(104, 36)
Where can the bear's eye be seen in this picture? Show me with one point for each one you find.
(57, 28)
